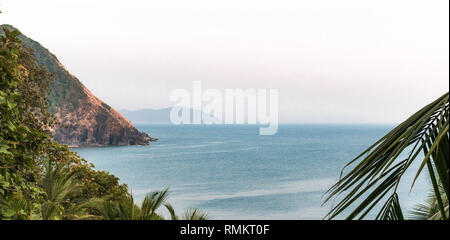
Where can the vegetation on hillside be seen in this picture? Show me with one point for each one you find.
(83, 119)
(423, 137)
(62, 93)
(40, 178)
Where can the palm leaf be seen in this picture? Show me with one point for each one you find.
(173, 215)
(195, 214)
(430, 210)
(378, 171)
(152, 202)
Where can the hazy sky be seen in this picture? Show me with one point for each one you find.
(332, 61)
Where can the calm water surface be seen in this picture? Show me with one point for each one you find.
(233, 173)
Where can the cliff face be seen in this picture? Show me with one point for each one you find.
(84, 119)
(94, 123)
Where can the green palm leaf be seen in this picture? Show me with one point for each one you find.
(378, 170)
(195, 214)
(58, 185)
(431, 210)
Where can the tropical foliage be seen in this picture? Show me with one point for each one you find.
(430, 210)
(377, 172)
(40, 178)
(127, 209)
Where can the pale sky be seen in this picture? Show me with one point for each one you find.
(332, 61)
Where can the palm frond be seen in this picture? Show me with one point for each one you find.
(195, 214)
(173, 215)
(431, 210)
(378, 170)
(153, 201)
(126, 209)
(391, 209)
(58, 185)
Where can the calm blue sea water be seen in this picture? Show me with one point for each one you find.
(233, 173)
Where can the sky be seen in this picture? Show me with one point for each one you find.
(347, 61)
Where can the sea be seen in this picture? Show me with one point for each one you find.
(231, 172)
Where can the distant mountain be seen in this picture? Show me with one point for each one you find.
(147, 115)
(85, 120)
(152, 115)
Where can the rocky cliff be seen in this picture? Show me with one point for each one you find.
(84, 119)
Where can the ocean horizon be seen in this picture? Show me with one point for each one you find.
(231, 172)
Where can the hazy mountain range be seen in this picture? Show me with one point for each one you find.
(153, 115)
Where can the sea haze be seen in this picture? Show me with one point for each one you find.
(159, 116)
(231, 172)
